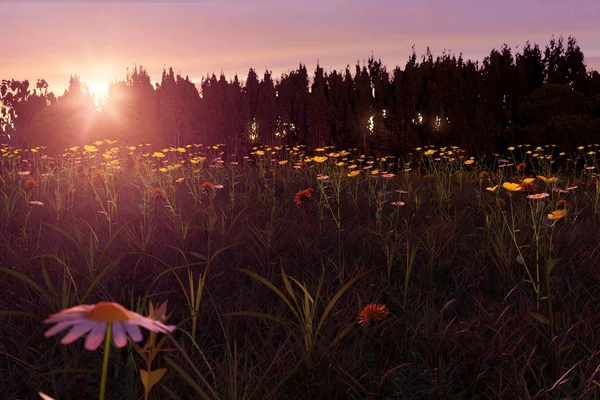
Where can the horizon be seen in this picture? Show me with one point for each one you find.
(263, 36)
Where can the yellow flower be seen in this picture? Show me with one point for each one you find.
(511, 187)
(320, 149)
(527, 181)
(557, 214)
(352, 166)
(158, 154)
(491, 189)
(548, 180)
(354, 173)
(260, 152)
(90, 148)
(375, 172)
(429, 152)
(98, 142)
(511, 148)
(340, 164)
(163, 169)
(469, 162)
(319, 159)
(181, 150)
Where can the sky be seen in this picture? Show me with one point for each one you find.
(99, 40)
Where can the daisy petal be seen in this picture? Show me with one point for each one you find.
(133, 331)
(60, 317)
(119, 336)
(59, 328)
(96, 337)
(78, 331)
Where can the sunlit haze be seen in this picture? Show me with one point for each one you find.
(99, 41)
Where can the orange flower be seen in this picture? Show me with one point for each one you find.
(521, 167)
(372, 312)
(502, 203)
(562, 203)
(303, 196)
(528, 187)
(158, 192)
(206, 186)
(99, 174)
(31, 183)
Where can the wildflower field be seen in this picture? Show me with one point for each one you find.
(294, 273)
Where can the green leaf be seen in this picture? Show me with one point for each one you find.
(550, 264)
(188, 379)
(41, 292)
(149, 379)
(273, 288)
(540, 317)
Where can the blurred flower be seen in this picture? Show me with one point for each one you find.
(557, 214)
(469, 162)
(95, 318)
(398, 203)
(562, 203)
(206, 186)
(303, 196)
(538, 196)
(521, 167)
(372, 312)
(158, 192)
(552, 179)
(527, 185)
(31, 183)
(511, 187)
(502, 203)
(36, 203)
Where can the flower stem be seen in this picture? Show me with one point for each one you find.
(105, 360)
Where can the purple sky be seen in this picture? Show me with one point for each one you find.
(99, 40)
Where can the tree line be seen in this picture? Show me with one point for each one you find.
(531, 96)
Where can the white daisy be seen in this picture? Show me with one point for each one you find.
(94, 319)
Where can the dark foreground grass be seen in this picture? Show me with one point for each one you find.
(451, 265)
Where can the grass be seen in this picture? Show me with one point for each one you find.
(491, 294)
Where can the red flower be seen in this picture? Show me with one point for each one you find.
(372, 312)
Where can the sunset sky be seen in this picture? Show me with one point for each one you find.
(99, 40)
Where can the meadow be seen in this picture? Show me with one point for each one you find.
(296, 274)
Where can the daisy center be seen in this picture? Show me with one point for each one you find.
(108, 312)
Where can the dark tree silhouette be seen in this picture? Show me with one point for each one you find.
(511, 97)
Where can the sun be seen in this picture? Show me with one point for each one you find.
(99, 90)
